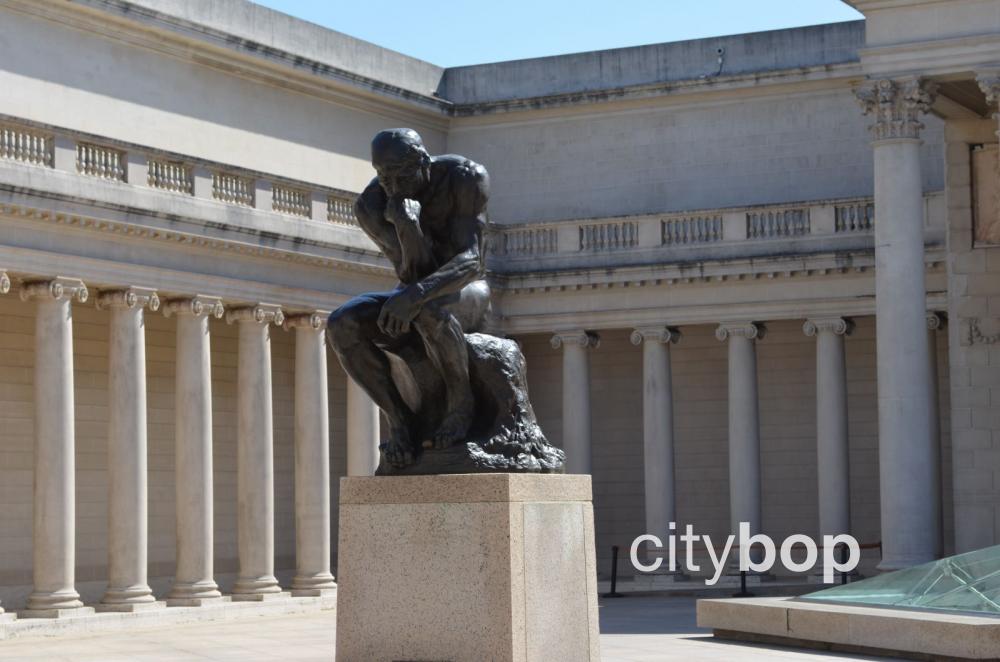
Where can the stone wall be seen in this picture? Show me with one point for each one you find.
(974, 289)
(675, 155)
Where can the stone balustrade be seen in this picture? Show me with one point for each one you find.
(137, 165)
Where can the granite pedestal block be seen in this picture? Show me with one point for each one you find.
(467, 567)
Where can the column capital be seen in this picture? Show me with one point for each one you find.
(59, 288)
(197, 306)
(261, 313)
(663, 334)
(936, 320)
(749, 330)
(896, 105)
(129, 297)
(989, 83)
(4, 282)
(585, 339)
(839, 326)
(315, 320)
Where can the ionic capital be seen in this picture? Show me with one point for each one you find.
(60, 289)
(896, 105)
(748, 330)
(262, 313)
(836, 325)
(130, 297)
(315, 320)
(662, 334)
(936, 321)
(197, 306)
(584, 339)
(4, 282)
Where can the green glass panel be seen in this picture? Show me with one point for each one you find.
(967, 582)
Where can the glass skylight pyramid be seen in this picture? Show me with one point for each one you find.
(967, 582)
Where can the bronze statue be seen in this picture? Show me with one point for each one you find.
(455, 399)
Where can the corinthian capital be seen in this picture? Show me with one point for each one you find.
(59, 288)
(315, 320)
(131, 297)
(584, 339)
(896, 105)
(4, 282)
(662, 334)
(749, 330)
(197, 305)
(262, 313)
(989, 83)
(836, 325)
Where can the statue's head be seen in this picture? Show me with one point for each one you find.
(402, 163)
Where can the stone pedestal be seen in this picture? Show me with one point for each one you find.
(467, 567)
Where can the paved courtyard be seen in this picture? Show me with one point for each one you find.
(633, 629)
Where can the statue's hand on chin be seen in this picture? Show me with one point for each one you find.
(402, 210)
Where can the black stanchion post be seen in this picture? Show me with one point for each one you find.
(843, 561)
(614, 574)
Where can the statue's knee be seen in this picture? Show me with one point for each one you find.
(343, 327)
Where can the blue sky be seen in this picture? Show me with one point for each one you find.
(451, 33)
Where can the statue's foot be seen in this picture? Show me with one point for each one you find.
(398, 450)
(454, 428)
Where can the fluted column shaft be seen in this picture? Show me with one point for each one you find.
(362, 432)
(907, 465)
(255, 452)
(312, 457)
(832, 452)
(576, 398)
(657, 426)
(127, 460)
(194, 583)
(55, 475)
(744, 425)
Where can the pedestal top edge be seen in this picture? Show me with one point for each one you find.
(465, 488)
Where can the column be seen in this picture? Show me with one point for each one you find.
(744, 425)
(312, 457)
(54, 593)
(935, 322)
(362, 432)
(576, 397)
(832, 458)
(255, 453)
(657, 426)
(194, 584)
(907, 465)
(128, 589)
(4, 289)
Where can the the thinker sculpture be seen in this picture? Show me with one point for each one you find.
(456, 400)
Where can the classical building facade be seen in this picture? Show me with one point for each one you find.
(756, 278)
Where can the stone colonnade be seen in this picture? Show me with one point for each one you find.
(54, 593)
(744, 430)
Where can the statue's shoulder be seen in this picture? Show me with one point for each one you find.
(463, 176)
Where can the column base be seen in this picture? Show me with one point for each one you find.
(130, 607)
(246, 588)
(313, 592)
(72, 612)
(260, 597)
(7, 618)
(198, 602)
